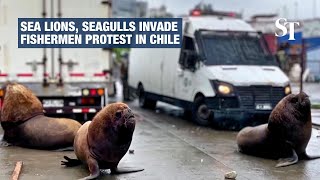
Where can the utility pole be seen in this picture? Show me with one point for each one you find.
(52, 49)
(60, 80)
(45, 56)
(302, 63)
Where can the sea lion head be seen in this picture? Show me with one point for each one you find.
(122, 115)
(117, 115)
(294, 107)
(300, 102)
(299, 105)
(19, 104)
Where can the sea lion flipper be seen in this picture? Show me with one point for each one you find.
(93, 168)
(70, 162)
(4, 143)
(288, 161)
(124, 170)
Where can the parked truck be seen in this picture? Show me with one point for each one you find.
(224, 73)
(67, 81)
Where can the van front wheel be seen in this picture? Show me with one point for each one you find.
(200, 112)
(144, 102)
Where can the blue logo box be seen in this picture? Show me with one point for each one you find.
(99, 32)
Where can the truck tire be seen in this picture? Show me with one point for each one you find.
(145, 102)
(201, 114)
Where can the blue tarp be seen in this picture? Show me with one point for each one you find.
(312, 43)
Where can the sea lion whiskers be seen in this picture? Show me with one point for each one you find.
(127, 122)
(124, 117)
(128, 117)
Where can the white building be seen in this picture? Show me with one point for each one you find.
(160, 12)
(129, 8)
(123, 8)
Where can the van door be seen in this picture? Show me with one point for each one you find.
(170, 65)
(185, 72)
(156, 68)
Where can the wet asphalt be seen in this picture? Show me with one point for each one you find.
(167, 146)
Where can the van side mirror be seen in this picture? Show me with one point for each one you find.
(190, 60)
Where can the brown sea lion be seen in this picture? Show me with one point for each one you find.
(102, 142)
(24, 122)
(286, 135)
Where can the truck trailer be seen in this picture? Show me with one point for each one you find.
(68, 81)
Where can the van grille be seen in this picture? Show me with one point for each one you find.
(250, 96)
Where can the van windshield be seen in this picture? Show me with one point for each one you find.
(234, 49)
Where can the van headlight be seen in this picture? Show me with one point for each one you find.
(287, 90)
(222, 88)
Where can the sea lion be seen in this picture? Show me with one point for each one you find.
(286, 135)
(102, 142)
(25, 125)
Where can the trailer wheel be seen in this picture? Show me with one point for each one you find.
(145, 102)
(201, 114)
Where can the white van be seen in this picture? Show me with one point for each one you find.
(224, 73)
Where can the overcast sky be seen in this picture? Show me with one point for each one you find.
(286, 8)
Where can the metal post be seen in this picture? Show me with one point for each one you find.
(52, 49)
(110, 50)
(302, 61)
(45, 58)
(60, 80)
